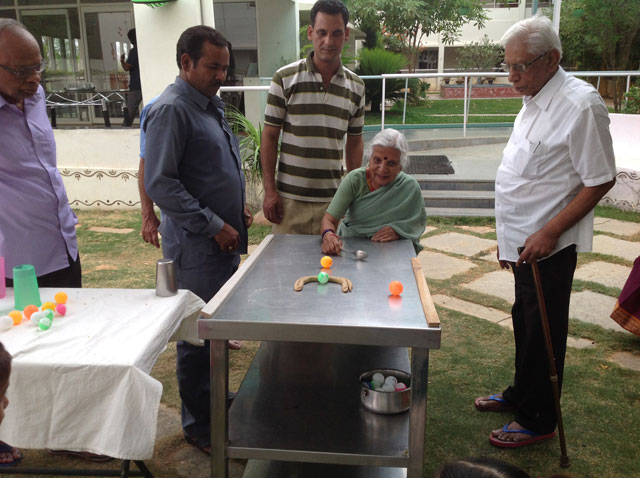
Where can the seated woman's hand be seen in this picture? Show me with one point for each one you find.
(331, 244)
(386, 234)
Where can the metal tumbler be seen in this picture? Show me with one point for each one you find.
(166, 284)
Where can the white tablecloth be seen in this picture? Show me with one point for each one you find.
(84, 384)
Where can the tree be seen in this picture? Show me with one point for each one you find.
(484, 55)
(378, 61)
(601, 35)
(412, 20)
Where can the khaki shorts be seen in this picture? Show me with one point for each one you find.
(300, 217)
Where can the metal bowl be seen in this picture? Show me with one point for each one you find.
(386, 403)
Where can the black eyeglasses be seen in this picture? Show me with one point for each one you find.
(521, 67)
(27, 71)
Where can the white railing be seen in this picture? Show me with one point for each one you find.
(468, 85)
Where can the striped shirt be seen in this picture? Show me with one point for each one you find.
(314, 123)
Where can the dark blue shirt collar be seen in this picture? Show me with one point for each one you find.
(198, 98)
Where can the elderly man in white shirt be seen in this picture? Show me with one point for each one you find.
(557, 165)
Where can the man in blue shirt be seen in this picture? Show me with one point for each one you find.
(193, 172)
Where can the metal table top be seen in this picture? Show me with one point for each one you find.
(259, 302)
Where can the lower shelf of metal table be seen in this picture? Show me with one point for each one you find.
(280, 469)
(300, 402)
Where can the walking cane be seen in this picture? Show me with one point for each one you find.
(553, 373)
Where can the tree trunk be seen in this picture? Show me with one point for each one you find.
(375, 105)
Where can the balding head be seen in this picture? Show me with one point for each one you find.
(20, 61)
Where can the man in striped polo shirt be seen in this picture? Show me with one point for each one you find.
(315, 101)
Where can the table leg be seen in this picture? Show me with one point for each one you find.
(143, 469)
(418, 411)
(219, 416)
(124, 469)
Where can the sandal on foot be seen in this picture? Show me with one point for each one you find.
(206, 449)
(533, 437)
(15, 453)
(495, 403)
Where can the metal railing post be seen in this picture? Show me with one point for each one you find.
(464, 109)
(384, 85)
(404, 110)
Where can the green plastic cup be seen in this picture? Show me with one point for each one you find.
(25, 287)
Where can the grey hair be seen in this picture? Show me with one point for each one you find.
(536, 32)
(390, 138)
(9, 24)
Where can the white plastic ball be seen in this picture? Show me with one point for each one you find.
(387, 387)
(6, 323)
(378, 379)
(391, 379)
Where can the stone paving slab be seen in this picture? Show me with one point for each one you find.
(616, 247)
(487, 313)
(111, 230)
(613, 226)
(611, 275)
(580, 343)
(594, 308)
(458, 243)
(489, 257)
(626, 360)
(441, 266)
(478, 229)
(498, 283)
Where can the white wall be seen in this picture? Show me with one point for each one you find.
(158, 30)
(278, 40)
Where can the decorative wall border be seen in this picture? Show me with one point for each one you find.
(99, 174)
(98, 188)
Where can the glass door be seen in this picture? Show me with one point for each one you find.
(58, 33)
(106, 39)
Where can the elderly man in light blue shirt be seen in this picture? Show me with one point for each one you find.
(37, 225)
(193, 172)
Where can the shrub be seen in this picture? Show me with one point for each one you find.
(378, 61)
(632, 101)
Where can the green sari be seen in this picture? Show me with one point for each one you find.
(399, 205)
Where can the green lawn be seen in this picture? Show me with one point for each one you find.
(451, 111)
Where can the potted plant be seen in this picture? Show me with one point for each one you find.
(249, 138)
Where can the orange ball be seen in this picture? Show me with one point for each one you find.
(61, 298)
(28, 310)
(395, 287)
(48, 305)
(16, 316)
(326, 262)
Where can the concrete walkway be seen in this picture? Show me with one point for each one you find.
(455, 255)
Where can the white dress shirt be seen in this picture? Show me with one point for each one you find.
(560, 144)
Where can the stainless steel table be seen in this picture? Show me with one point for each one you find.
(298, 409)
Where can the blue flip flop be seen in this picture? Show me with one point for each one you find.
(6, 448)
(503, 407)
(534, 437)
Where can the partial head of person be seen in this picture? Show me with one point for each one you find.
(21, 63)
(5, 372)
(532, 54)
(328, 31)
(203, 58)
(386, 156)
(131, 35)
(480, 467)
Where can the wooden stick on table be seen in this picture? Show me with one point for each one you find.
(428, 306)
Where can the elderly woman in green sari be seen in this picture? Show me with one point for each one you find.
(377, 201)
